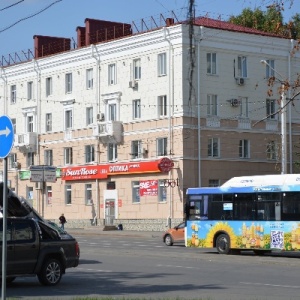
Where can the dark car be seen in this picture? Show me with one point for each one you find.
(174, 235)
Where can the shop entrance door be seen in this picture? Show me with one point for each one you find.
(109, 211)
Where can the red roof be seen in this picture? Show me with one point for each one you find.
(223, 25)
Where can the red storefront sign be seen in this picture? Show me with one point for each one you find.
(102, 171)
(148, 187)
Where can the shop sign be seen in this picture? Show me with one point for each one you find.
(165, 164)
(84, 173)
(148, 187)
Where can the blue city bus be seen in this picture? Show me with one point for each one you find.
(258, 213)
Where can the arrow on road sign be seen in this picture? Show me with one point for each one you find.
(6, 131)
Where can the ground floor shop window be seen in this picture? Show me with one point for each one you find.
(88, 194)
(68, 194)
(136, 192)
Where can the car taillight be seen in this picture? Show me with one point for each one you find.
(77, 249)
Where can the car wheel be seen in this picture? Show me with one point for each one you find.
(223, 244)
(51, 272)
(168, 240)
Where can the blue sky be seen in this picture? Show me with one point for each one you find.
(63, 16)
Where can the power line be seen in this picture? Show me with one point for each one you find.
(11, 5)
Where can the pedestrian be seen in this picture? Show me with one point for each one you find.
(62, 221)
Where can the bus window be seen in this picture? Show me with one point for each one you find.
(197, 209)
(290, 207)
(268, 207)
(244, 207)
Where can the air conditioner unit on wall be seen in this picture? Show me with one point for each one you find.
(240, 81)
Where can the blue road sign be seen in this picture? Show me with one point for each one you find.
(6, 136)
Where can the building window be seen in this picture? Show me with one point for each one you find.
(212, 105)
(29, 159)
(112, 74)
(49, 195)
(136, 149)
(68, 194)
(29, 90)
(12, 161)
(30, 123)
(68, 119)
(213, 147)
(162, 106)
(112, 112)
(244, 149)
(161, 146)
(89, 116)
(271, 150)
(162, 64)
(162, 191)
(48, 122)
(14, 124)
(137, 69)
(29, 193)
(242, 66)
(244, 107)
(68, 156)
(112, 152)
(48, 157)
(211, 59)
(68, 83)
(48, 86)
(213, 182)
(89, 153)
(13, 94)
(135, 191)
(136, 106)
(270, 106)
(270, 67)
(89, 79)
(88, 194)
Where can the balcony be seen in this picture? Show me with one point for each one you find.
(108, 132)
(26, 142)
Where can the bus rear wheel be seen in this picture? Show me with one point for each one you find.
(223, 244)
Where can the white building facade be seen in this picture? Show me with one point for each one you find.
(130, 123)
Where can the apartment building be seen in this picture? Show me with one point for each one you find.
(130, 120)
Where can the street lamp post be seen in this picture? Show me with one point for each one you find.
(283, 121)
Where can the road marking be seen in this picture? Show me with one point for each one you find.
(173, 266)
(268, 284)
(92, 270)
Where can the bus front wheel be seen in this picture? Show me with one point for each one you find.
(223, 244)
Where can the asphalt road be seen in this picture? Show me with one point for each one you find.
(138, 265)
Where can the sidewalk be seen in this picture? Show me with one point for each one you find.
(99, 231)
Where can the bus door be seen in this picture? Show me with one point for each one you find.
(269, 206)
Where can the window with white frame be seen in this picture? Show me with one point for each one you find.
(48, 122)
(30, 123)
(49, 194)
(161, 146)
(29, 159)
(13, 94)
(89, 79)
(112, 152)
(68, 116)
(135, 191)
(48, 86)
(270, 68)
(244, 149)
(29, 90)
(12, 161)
(89, 153)
(14, 124)
(213, 182)
(213, 147)
(242, 66)
(212, 105)
(162, 64)
(68, 79)
(136, 149)
(88, 194)
(162, 191)
(211, 60)
(136, 107)
(137, 69)
(270, 109)
(48, 157)
(29, 193)
(89, 115)
(112, 77)
(271, 150)
(68, 194)
(162, 106)
(244, 107)
(112, 111)
(68, 156)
